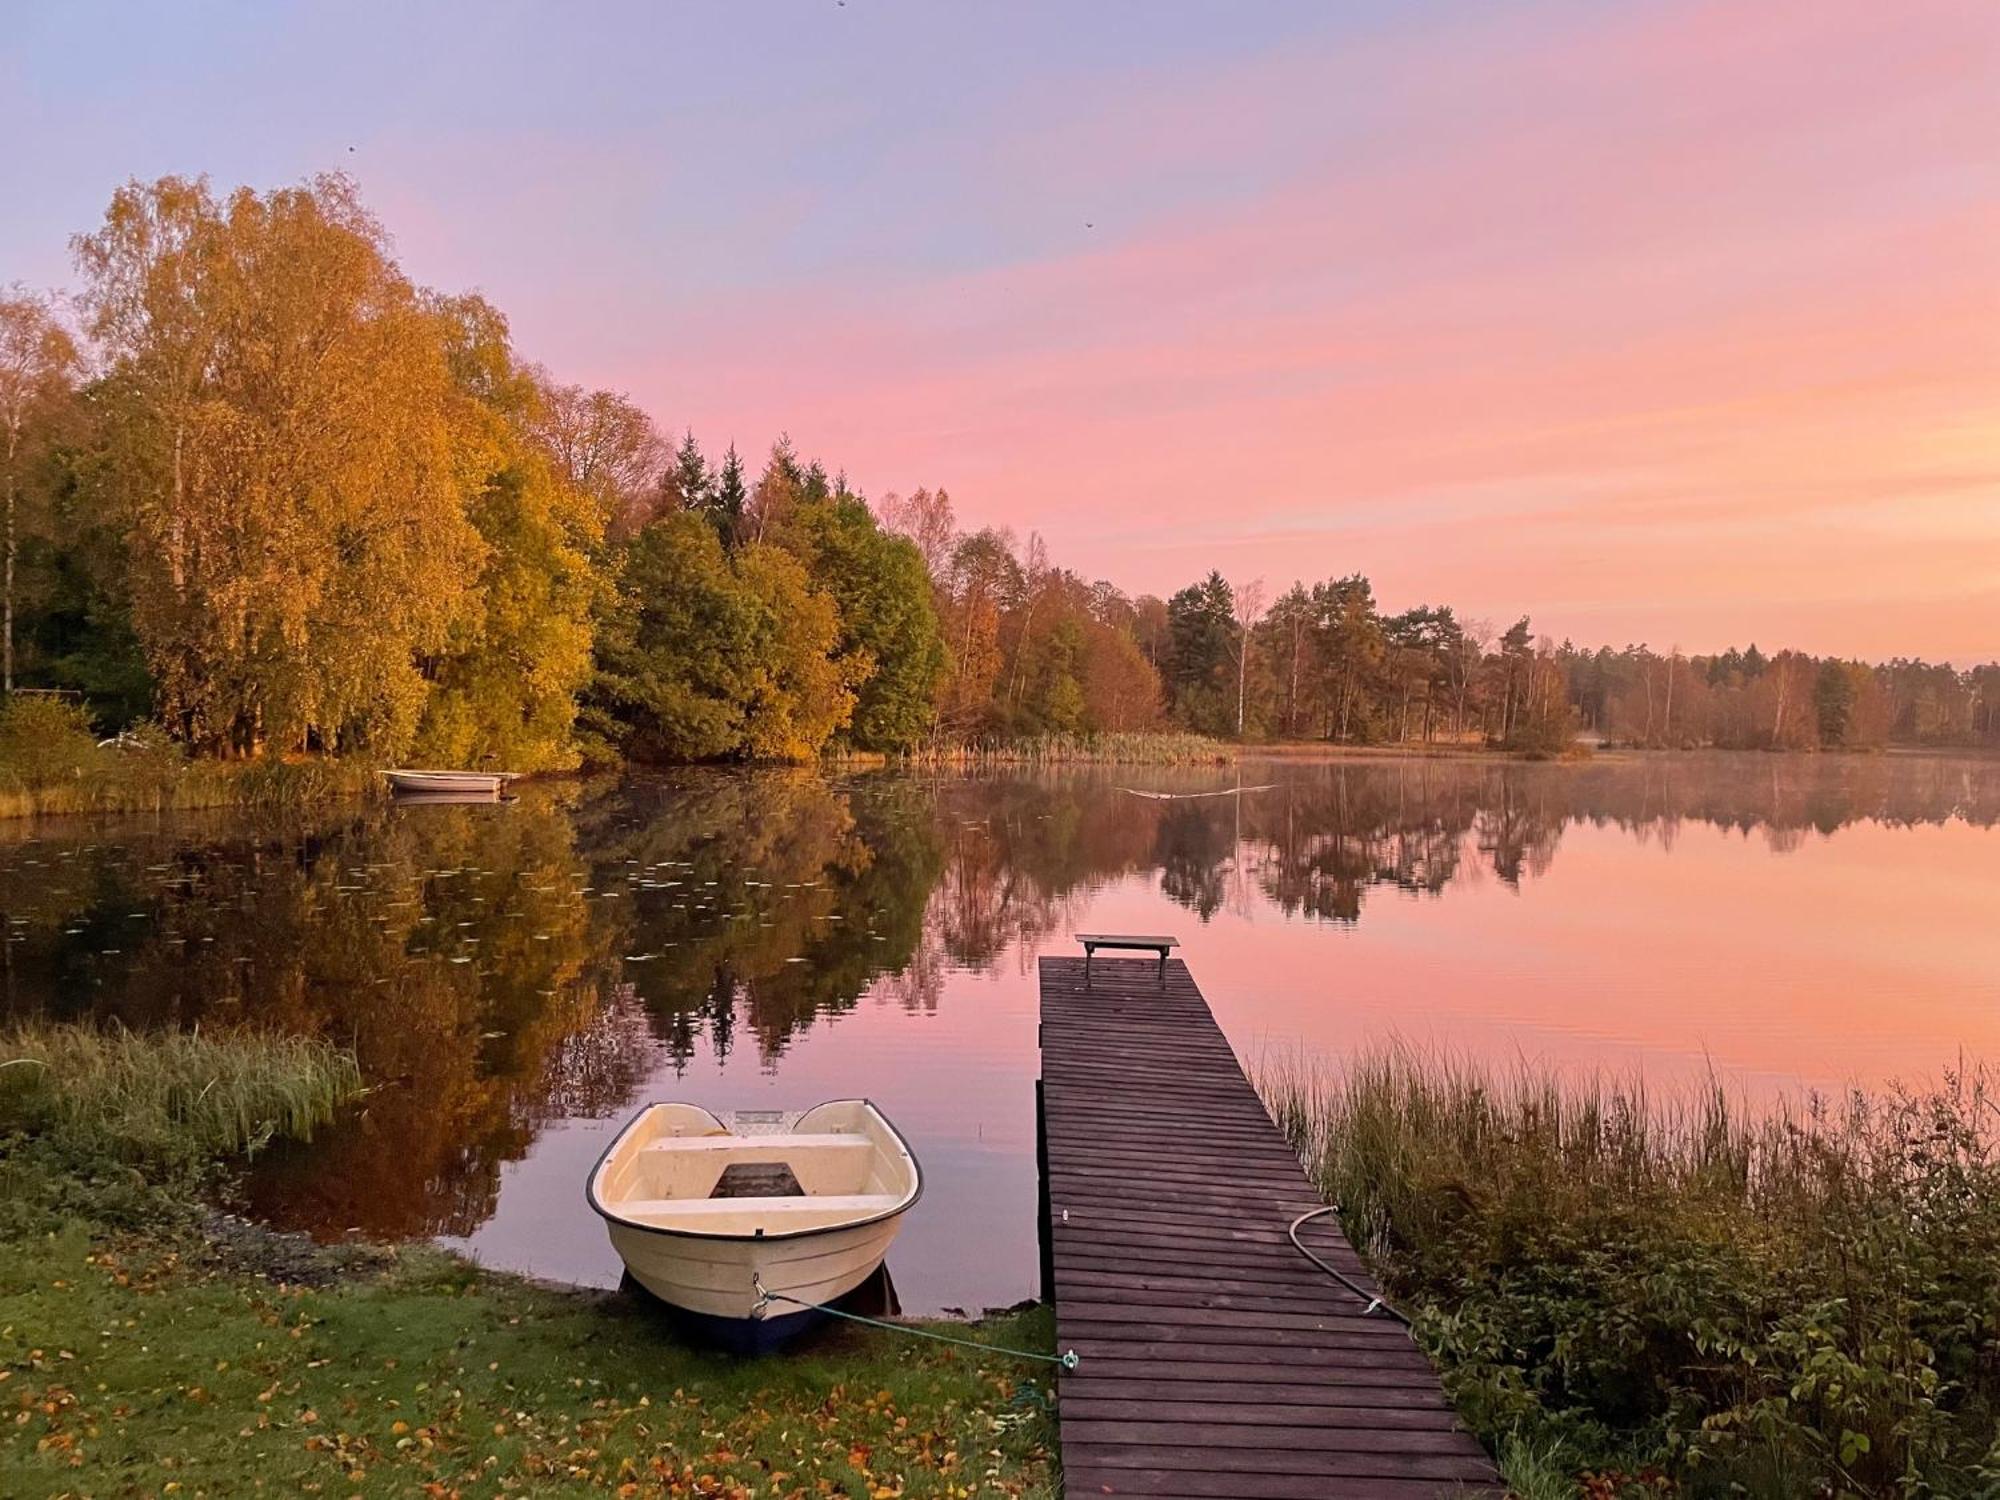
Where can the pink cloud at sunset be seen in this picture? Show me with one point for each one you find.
(1681, 324)
(1658, 321)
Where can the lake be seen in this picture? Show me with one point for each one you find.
(518, 977)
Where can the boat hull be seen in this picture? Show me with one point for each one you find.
(457, 783)
(748, 1336)
(720, 1278)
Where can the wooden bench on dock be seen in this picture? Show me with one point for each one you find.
(1126, 942)
(1215, 1360)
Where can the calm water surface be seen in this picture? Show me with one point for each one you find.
(518, 978)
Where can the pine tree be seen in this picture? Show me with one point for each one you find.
(1201, 651)
(687, 483)
(729, 498)
(1833, 702)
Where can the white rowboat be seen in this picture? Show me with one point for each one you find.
(416, 782)
(710, 1213)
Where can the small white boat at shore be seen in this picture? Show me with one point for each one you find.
(710, 1212)
(457, 783)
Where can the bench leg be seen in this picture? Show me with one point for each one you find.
(1163, 968)
(1088, 954)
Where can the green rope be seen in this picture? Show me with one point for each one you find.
(1067, 1359)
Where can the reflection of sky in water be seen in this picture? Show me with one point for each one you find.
(517, 978)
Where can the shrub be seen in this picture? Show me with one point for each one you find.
(1799, 1302)
(51, 764)
(45, 741)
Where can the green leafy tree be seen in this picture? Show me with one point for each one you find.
(672, 680)
(1059, 701)
(705, 656)
(504, 689)
(889, 627)
(779, 491)
(801, 689)
(1287, 632)
(77, 604)
(1515, 667)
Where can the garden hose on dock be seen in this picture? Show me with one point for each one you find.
(1375, 1302)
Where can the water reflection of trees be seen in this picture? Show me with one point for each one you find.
(497, 967)
(445, 944)
(1326, 834)
(758, 899)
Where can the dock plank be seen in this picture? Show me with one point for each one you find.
(1215, 1360)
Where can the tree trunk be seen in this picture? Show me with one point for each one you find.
(7, 629)
(176, 535)
(1242, 677)
(1292, 702)
(1021, 650)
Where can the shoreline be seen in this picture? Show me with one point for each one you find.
(298, 786)
(411, 1367)
(153, 1340)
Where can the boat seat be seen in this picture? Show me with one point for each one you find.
(764, 1208)
(692, 1144)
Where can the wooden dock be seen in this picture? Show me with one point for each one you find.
(1215, 1359)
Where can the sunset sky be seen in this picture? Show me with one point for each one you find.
(1659, 321)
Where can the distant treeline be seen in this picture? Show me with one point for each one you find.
(263, 491)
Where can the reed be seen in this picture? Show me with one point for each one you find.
(122, 783)
(1795, 1300)
(174, 1097)
(1162, 749)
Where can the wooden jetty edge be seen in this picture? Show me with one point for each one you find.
(1215, 1359)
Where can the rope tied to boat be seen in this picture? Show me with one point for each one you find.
(1068, 1359)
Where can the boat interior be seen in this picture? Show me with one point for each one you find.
(680, 1167)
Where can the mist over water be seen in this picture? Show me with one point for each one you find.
(517, 978)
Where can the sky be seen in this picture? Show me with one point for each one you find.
(1654, 320)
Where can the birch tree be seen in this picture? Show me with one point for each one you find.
(279, 425)
(1247, 604)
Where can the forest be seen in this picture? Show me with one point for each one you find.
(265, 497)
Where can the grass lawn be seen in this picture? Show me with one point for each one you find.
(131, 1367)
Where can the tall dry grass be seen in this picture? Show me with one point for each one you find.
(1157, 749)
